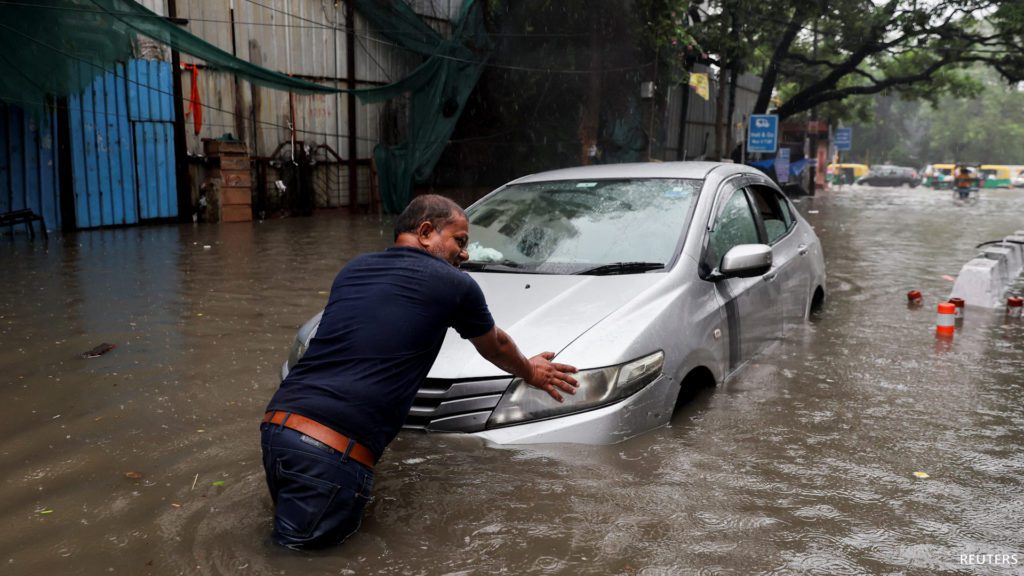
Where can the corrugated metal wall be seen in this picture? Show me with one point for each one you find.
(151, 111)
(700, 115)
(122, 152)
(28, 165)
(305, 38)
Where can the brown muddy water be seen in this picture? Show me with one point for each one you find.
(146, 459)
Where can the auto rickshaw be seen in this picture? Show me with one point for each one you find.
(996, 175)
(839, 174)
(938, 176)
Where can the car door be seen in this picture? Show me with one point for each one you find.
(789, 250)
(753, 318)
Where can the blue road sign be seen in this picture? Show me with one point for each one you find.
(843, 138)
(763, 133)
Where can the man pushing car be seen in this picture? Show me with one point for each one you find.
(346, 399)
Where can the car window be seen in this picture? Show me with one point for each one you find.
(570, 225)
(735, 225)
(776, 220)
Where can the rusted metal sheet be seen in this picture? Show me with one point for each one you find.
(304, 38)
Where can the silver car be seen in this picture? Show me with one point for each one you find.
(653, 279)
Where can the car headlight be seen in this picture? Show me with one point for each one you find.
(597, 387)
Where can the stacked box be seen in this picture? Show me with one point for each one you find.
(234, 176)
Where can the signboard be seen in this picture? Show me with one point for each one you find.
(844, 138)
(782, 165)
(699, 81)
(763, 133)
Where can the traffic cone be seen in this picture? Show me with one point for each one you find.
(959, 303)
(946, 324)
(914, 298)
(1014, 306)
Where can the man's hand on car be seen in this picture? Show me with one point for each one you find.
(552, 376)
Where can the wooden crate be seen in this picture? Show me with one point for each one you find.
(218, 147)
(236, 213)
(240, 163)
(235, 195)
(233, 177)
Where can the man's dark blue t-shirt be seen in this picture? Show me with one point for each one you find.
(380, 333)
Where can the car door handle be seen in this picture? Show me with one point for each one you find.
(769, 277)
(802, 249)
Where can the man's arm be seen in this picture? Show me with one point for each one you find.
(498, 348)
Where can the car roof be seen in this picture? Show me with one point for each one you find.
(687, 170)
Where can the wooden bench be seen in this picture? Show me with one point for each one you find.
(26, 217)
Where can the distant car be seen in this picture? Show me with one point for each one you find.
(886, 175)
(654, 279)
(1017, 181)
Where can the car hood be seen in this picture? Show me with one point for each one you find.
(541, 312)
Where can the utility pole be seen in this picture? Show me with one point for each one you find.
(180, 146)
(814, 121)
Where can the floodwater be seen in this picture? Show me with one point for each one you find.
(145, 460)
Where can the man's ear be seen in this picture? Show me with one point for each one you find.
(424, 230)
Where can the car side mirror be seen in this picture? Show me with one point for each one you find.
(744, 261)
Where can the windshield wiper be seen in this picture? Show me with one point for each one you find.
(504, 265)
(622, 268)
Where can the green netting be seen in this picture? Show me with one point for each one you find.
(44, 43)
(437, 89)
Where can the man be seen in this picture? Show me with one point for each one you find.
(348, 396)
(964, 181)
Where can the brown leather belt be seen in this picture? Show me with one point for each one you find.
(318, 431)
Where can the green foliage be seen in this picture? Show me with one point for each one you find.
(665, 31)
(817, 52)
(985, 128)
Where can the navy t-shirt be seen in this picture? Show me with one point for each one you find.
(382, 328)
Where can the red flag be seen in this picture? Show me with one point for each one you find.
(195, 105)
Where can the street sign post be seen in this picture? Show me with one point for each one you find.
(763, 133)
(844, 138)
(782, 165)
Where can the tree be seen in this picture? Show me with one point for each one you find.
(987, 128)
(813, 53)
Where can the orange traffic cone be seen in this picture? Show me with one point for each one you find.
(946, 324)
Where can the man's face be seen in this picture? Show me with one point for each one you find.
(449, 243)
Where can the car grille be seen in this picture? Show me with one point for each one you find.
(443, 405)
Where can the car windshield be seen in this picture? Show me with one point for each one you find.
(580, 226)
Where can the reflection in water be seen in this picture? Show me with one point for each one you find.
(145, 460)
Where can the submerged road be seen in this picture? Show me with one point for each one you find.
(145, 459)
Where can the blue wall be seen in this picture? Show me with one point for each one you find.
(28, 164)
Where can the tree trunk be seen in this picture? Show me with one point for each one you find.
(730, 139)
(771, 73)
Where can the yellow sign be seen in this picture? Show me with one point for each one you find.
(699, 81)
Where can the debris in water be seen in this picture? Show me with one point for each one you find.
(194, 480)
(948, 277)
(133, 475)
(98, 350)
(175, 505)
(46, 511)
(921, 475)
(217, 483)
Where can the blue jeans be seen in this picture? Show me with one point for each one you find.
(319, 493)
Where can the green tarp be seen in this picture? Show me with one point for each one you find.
(437, 89)
(44, 44)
